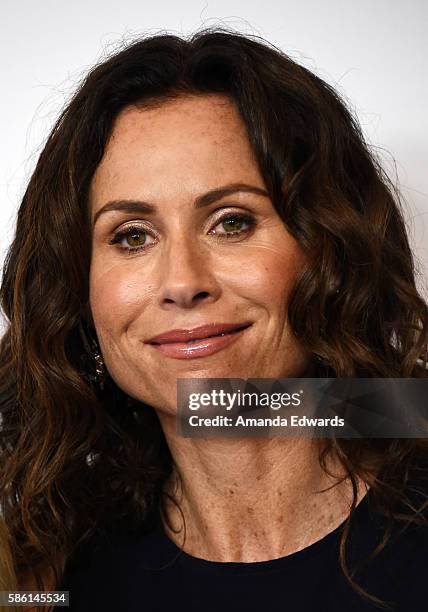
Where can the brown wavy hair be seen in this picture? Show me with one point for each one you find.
(76, 459)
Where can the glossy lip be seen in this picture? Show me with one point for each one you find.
(202, 346)
(197, 333)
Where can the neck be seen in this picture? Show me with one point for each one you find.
(252, 499)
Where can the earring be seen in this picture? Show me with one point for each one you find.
(100, 370)
(94, 368)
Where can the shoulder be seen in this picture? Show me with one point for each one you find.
(114, 552)
(403, 541)
(110, 568)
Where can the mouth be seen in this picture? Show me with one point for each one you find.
(198, 342)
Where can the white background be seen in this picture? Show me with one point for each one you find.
(373, 51)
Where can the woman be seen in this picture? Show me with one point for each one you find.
(193, 188)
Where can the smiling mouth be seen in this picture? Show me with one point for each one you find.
(180, 348)
(196, 340)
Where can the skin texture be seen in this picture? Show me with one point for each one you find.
(189, 276)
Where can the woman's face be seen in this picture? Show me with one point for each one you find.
(185, 236)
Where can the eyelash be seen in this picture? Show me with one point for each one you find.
(118, 237)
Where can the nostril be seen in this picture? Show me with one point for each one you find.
(201, 295)
(186, 298)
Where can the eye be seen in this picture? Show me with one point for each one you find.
(135, 238)
(233, 224)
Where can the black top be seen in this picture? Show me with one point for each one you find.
(148, 573)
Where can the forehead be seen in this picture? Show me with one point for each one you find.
(186, 115)
(192, 143)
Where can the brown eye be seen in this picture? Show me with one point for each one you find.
(135, 238)
(233, 224)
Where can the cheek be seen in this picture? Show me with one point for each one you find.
(264, 274)
(116, 295)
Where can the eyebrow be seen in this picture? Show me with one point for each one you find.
(203, 200)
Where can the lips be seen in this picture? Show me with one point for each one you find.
(198, 333)
(198, 342)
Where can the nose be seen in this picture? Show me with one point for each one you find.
(187, 275)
